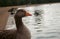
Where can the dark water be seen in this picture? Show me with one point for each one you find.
(44, 26)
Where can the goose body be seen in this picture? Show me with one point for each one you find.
(7, 34)
(21, 32)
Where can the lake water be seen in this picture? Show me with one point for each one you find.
(44, 26)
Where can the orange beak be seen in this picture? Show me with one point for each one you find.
(28, 14)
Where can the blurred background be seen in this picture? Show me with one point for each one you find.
(4, 3)
(44, 22)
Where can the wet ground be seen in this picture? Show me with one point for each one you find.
(44, 26)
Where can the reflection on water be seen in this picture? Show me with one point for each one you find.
(47, 27)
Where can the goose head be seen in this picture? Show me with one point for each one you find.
(12, 11)
(22, 13)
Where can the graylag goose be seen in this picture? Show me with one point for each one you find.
(22, 32)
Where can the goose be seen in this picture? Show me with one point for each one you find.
(22, 32)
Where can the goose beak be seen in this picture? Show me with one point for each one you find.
(28, 14)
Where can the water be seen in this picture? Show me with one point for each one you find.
(44, 26)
